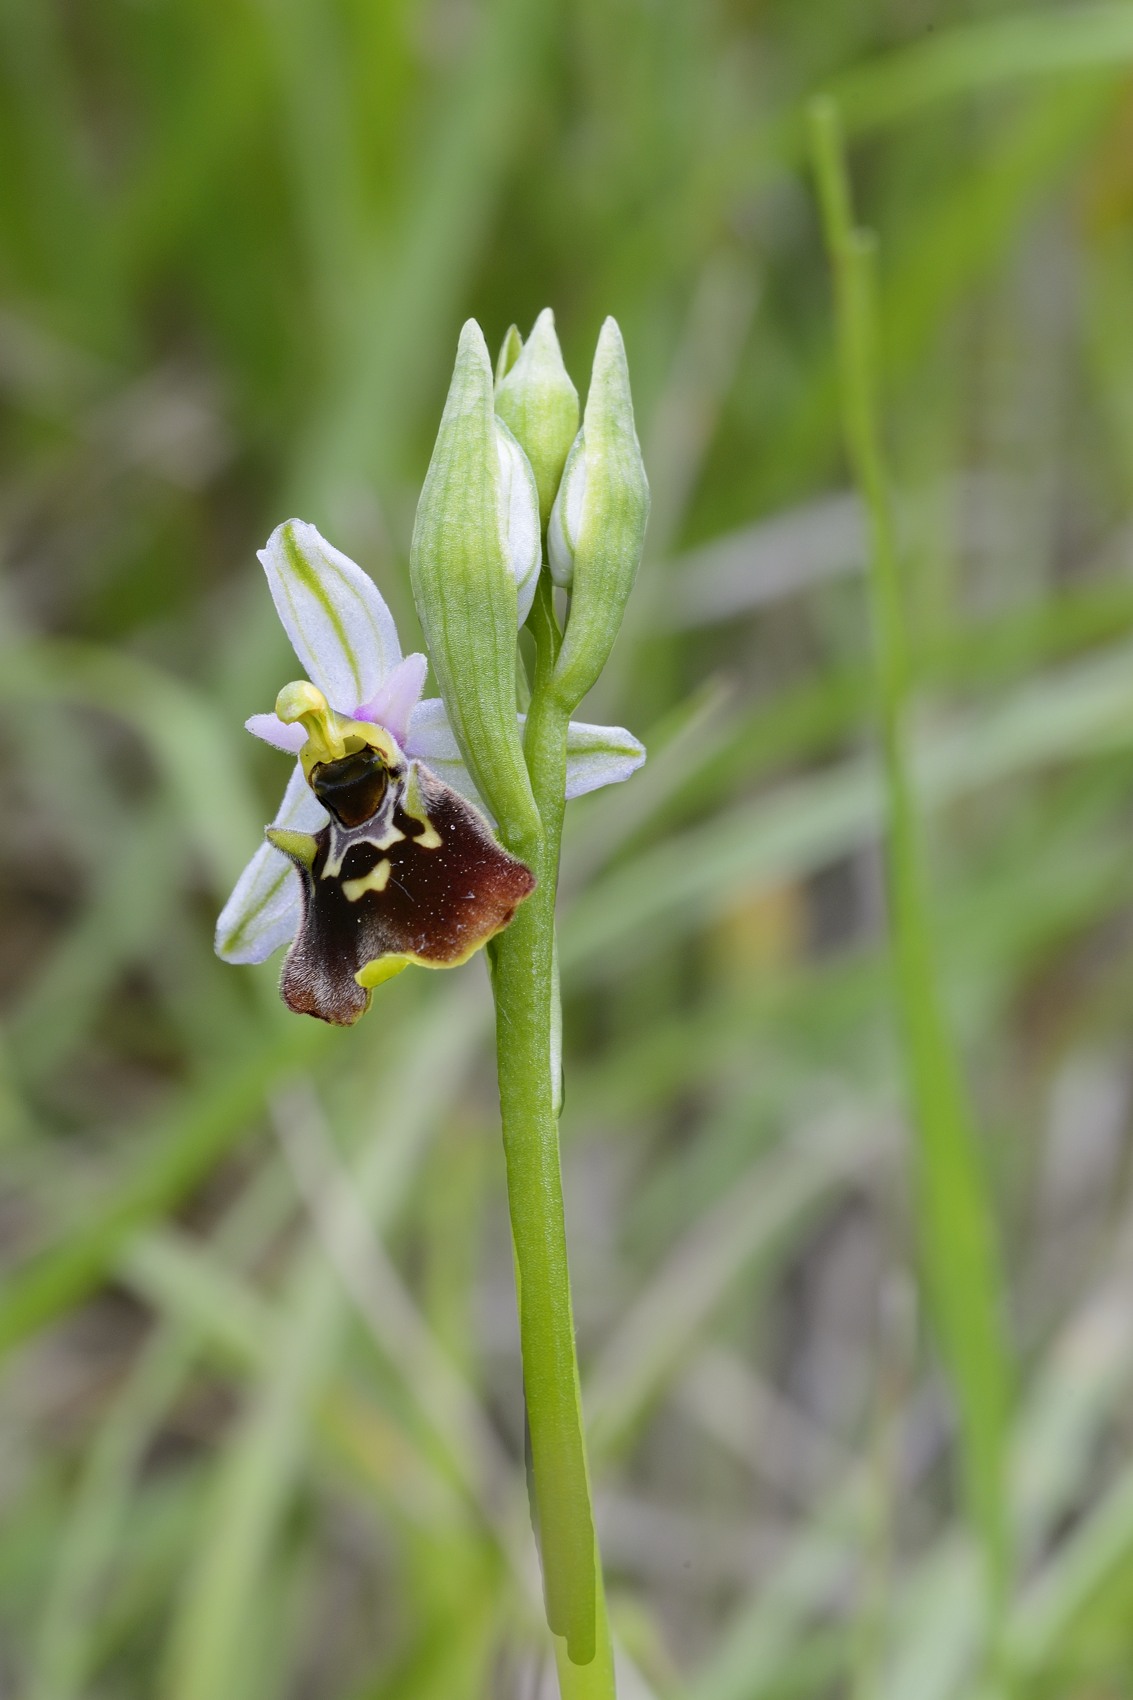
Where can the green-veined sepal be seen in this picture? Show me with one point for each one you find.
(263, 910)
(333, 612)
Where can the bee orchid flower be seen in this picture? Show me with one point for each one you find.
(380, 855)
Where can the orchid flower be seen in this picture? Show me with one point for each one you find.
(380, 854)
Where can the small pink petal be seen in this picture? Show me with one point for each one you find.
(397, 697)
(275, 731)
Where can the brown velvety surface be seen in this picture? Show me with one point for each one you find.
(438, 904)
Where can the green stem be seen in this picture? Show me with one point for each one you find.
(526, 992)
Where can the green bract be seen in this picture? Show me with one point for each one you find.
(597, 525)
(535, 397)
(474, 564)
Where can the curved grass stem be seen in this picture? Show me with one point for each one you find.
(951, 1195)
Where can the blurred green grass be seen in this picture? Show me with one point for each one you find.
(251, 1450)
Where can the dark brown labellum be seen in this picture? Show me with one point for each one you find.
(421, 879)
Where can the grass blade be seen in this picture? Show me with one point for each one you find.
(960, 1263)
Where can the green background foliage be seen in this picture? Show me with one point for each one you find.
(260, 1408)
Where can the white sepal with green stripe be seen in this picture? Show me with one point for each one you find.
(263, 910)
(333, 612)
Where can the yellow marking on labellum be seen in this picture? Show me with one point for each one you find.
(341, 842)
(414, 806)
(376, 880)
(382, 968)
(300, 846)
(336, 855)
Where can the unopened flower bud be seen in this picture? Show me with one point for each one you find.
(536, 398)
(474, 564)
(597, 526)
